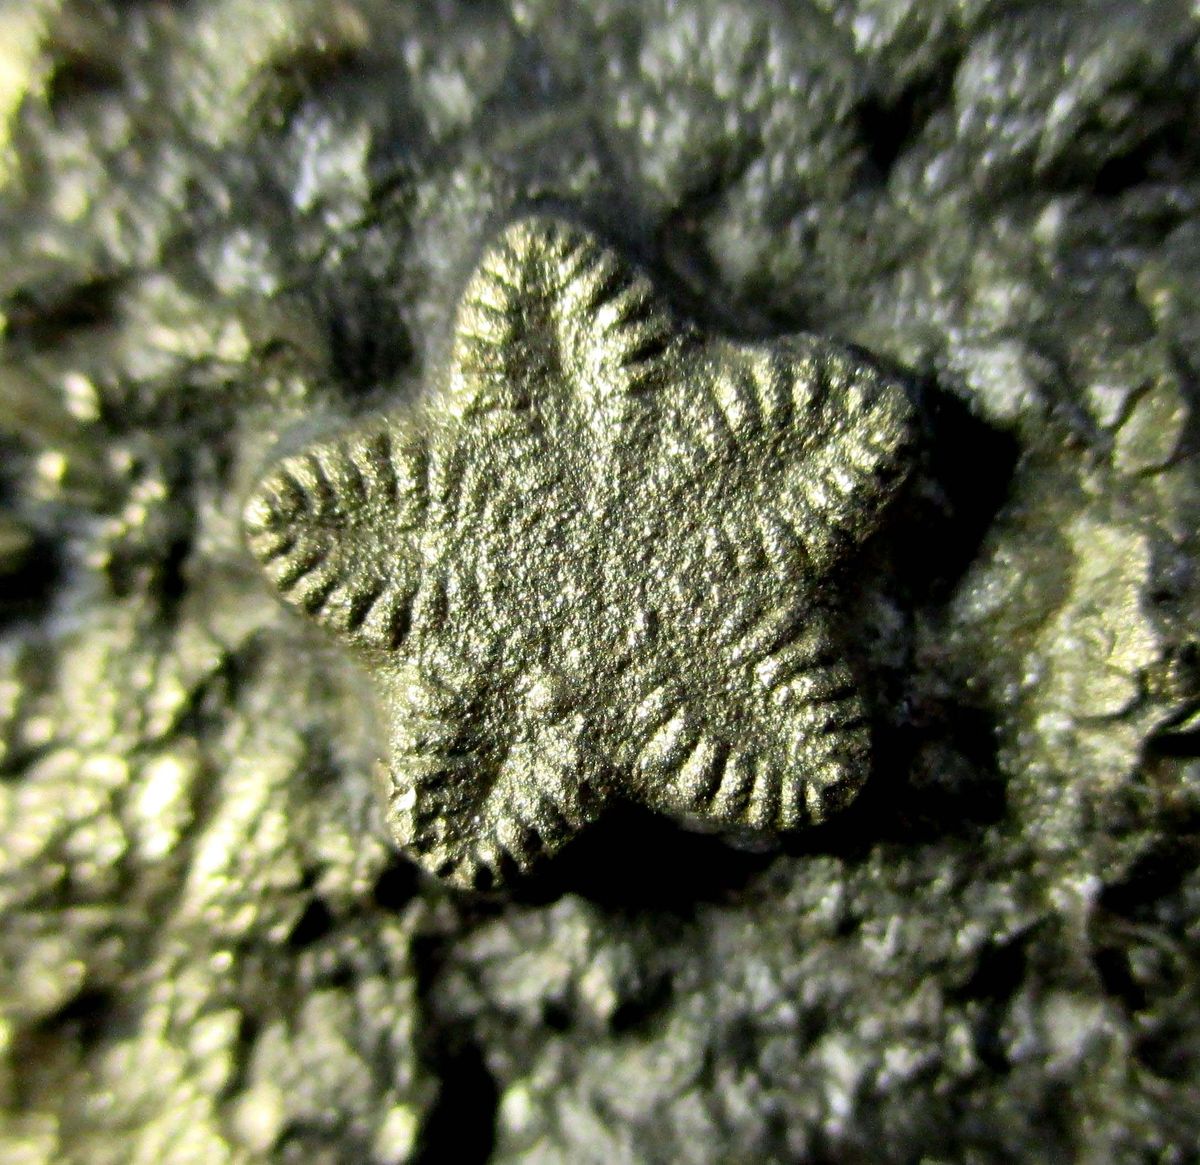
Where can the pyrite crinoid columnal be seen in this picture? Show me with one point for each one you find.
(595, 563)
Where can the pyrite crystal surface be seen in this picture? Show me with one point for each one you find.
(596, 563)
(234, 230)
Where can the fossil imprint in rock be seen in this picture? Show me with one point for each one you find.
(595, 563)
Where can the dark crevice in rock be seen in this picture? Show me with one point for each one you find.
(248, 1032)
(28, 592)
(341, 74)
(1156, 875)
(1175, 683)
(313, 925)
(207, 708)
(891, 125)
(83, 1020)
(999, 971)
(556, 1016)
(635, 860)
(1170, 1050)
(1168, 148)
(78, 78)
(60, 1041)
(967, 475)
(172, 577)
(1151, 975)
(1177, 745)
(310, 70)
(988, 1042)
(461, 1126)
(1137, 167)
(395, 886)
(369, 343)
(637, 1015)
(39, 321)
(1117, 977)
(132, 567)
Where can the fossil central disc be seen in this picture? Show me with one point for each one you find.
(595, 563)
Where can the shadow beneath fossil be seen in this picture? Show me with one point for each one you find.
(936, 776)
(637, 860)
(961, 482)
(932, 780)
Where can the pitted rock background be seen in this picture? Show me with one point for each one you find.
(229, 222)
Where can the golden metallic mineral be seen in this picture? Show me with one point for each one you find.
(595, 563)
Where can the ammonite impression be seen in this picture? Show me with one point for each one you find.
(595, 563)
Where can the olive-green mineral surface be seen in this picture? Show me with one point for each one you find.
(252, 251)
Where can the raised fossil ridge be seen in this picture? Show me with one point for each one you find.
(596, 562)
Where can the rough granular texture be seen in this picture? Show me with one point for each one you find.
(229, 228)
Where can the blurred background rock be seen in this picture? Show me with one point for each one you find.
(223, 222)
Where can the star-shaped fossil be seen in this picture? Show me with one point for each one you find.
(595, 563)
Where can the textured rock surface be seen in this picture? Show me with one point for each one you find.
(224, 223)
